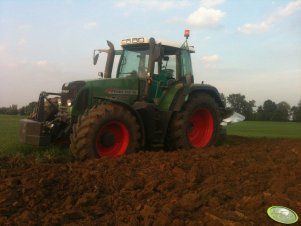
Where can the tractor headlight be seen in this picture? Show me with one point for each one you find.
(59, 101)
(69, 103)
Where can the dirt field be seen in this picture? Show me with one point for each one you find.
(233, 184)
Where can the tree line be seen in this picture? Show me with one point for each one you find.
(14, 110)
(269, 111)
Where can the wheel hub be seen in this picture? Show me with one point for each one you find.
(112, 139)
(107, 140)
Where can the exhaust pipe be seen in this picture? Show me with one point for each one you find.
(110, 60)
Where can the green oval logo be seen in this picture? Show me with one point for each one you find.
(282, 214)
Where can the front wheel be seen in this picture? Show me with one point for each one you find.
(196, 125)
(105, 130)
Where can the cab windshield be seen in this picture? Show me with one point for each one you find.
(133, 62)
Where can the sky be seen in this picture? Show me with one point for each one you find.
(252, 47)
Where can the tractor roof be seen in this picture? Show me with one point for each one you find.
(144, 40)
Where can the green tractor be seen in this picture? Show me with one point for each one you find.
(151, 102)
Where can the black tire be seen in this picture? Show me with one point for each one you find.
(222, 136)
(196, 125)
(105, 130)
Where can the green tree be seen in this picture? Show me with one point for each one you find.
(282, 112)
(296, 112)
(12, 110)
(21, 111)
(239, 104)
(269, 107)
(30, 107)
(3, 110)
(223, 98)
(259, 114)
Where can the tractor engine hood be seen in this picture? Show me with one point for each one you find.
(123, 89)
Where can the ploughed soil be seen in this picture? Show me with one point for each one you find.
(232, 184)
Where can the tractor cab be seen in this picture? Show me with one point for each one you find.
(157, 64)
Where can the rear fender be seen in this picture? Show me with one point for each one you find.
(184, 94)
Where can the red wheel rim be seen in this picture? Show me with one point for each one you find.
(201, 128)
(112, 139)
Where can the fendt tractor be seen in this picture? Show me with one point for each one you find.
(151, 102)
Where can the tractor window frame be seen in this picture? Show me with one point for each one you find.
(185, 62)
(117, 56)
(172, 51)
(144, 52)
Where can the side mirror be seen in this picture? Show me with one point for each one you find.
(95, 58)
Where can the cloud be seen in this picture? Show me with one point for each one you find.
(154, 4)
(211, 3)
(90, 25)
(42, 63)
(3, 53)
(209, 60)
(22, 42)
(2, 47)
(205, 17)
(24, 27)
(277, 15)
(26, 64)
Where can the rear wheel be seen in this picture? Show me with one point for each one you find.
(105, 130)
(196, 125)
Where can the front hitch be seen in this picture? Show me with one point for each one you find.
(40, 117)
(34, 131)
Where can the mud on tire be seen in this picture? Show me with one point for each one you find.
(104, 130)
(196, 125)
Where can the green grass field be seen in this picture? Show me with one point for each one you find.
(10, 146)
(265, 129)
